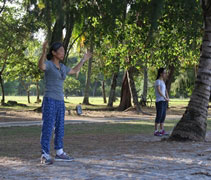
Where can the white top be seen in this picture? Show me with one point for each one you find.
(162, 85)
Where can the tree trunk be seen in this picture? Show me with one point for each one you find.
(28, 96)
(170, 78)
(133, 90)
(88, 77)
(112, 90)
(192, 125)
(38, 92)
(27, 90)
(2, 91)
(48, 20)
(2, 82)
(57, 34)
(125, 101)
(145, 87)
(94, 89)
(69, 28)
(103, 92)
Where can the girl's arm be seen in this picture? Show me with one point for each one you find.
(77, 68)
(41, 63)
(159, 91)
(167, 95)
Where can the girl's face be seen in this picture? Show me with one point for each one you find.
(59, 54)
(164, 74)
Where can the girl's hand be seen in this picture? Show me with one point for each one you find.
(87, 55)
(167, 99)
(45, 46)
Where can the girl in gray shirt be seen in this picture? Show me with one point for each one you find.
(53, 108)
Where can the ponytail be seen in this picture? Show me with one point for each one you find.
(160, 71)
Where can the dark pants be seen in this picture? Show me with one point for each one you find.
(161, 107)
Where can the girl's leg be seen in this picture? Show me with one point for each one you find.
(48, 118)
(59, 125)
(158, 113)
(158, 117)
(156, 126)
(163, 116)
(162, 126)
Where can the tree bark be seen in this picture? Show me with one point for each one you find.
(38, 92)
(133, 90)
(193, 124)
(1, 81)
(69, 28)
(112, 90)
(88, 77)
(57, 34)
(145, 88)
(28, 96)
(2, 91)
(170, 78)
(125, 101)
(103, 92)
(94, 89)
(27, 90)
(48, 20)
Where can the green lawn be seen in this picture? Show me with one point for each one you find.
(97, 101)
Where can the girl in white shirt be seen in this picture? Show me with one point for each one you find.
(162, 99)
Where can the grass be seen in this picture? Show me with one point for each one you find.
(23, 142)
(71, 102)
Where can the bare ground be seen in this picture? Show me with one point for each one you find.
(112, 156)
(119, 157)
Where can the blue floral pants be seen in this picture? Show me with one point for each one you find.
(53, 112)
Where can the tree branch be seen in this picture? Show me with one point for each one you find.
(2, 8)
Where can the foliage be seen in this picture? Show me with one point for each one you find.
(71, 86)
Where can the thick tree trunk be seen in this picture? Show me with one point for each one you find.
(112, 90)
(170, 78)
(125, 101)
(133, 90)
(103, 92)
(145, 87)
(193, 124)
(69, 28)
(57, 34)
(2, 91)
(88, 77)
(48, 20)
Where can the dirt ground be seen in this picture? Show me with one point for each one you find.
(113, 156)
(123, 157)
